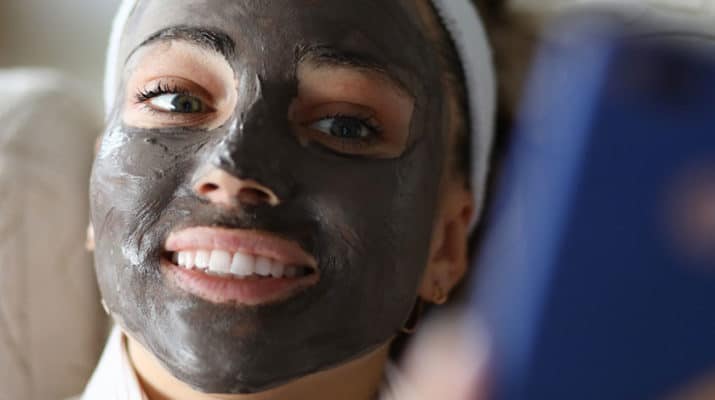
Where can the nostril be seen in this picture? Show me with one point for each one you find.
(220, 187)
(207, 188)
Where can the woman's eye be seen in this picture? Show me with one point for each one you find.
(345, 127)
(177, 103)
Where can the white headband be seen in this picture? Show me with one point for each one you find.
(465, 26)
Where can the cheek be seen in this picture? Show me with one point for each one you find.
(377, 220)
(378, 215)
(131, 184)
(133, 179)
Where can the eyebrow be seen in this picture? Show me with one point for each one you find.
(327, 56)
(319, 55)
(207, 39)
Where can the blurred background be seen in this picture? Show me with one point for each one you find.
(70, 35)
(52, 328)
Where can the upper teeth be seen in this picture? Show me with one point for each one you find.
(237, 264)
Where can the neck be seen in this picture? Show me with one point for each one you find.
(356, 380)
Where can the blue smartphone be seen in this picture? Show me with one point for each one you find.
(597, 270)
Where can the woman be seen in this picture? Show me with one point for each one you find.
(278, 185)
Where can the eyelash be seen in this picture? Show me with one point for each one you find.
(160, 89)
(369, 124)
(347, 145)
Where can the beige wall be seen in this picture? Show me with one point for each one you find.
(66, 34)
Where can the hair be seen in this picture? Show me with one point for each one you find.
(513, 38)
(454, 79)
(455, 83)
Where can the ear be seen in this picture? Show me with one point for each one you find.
(447, 261)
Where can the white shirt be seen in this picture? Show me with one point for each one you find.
(115, 379)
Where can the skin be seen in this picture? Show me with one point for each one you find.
(381, 218)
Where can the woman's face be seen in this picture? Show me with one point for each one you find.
(335, 111)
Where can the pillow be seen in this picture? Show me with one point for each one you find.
(51, 325)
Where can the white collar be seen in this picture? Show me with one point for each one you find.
(114, 378)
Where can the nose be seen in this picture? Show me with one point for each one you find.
(221, 188)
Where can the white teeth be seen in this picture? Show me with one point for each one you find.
(184, 259)
(277, 270)
(202, 259)
(220, 262)
(238, 264)
(242, 265)
(263, 266)
(189, 259)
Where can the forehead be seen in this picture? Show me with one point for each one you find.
(387, 26)
(390, 31)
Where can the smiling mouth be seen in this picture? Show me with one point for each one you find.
(221, 263)
(237, 266)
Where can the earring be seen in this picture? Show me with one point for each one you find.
(440, 296)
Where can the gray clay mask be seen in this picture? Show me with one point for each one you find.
(365, 217)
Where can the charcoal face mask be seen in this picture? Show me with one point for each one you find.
(367, 221)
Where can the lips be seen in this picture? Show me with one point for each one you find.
(237, 266)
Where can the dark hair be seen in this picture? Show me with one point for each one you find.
(456, 84)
